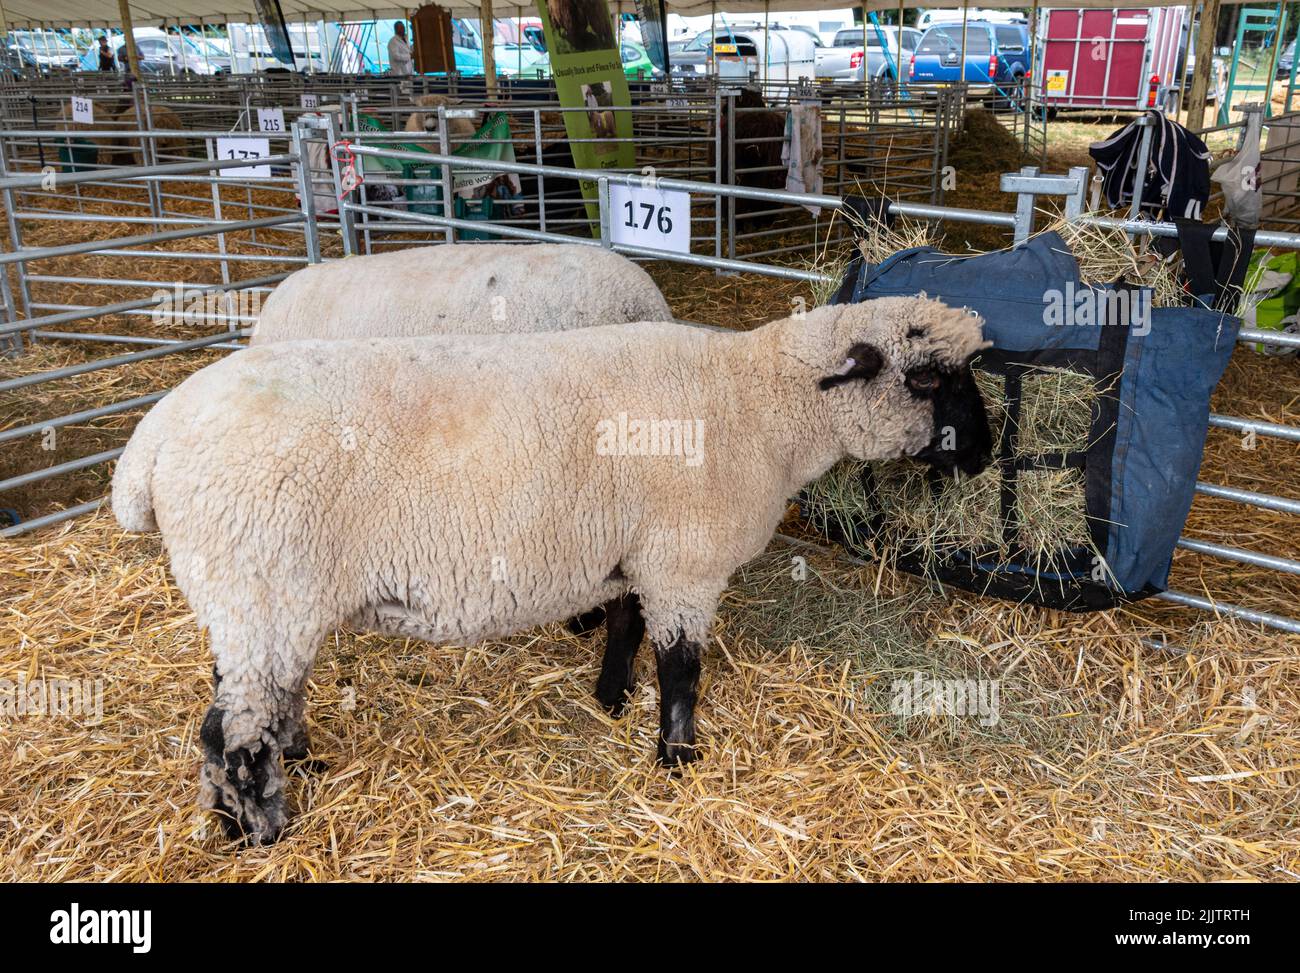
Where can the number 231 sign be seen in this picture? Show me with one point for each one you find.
(653, 218)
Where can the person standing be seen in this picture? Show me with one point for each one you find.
(106, 61)
(399, 51)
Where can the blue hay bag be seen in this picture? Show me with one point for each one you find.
(1154, 368)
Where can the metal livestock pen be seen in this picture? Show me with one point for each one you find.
(207, 213)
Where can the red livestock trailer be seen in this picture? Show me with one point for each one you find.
(1125, 59)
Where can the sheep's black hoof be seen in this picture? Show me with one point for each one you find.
(676, 755)
(613, 695)
(615, 706)
(586, 623)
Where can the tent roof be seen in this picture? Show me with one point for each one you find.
(104, 13)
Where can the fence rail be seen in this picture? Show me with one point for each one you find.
(307, 174)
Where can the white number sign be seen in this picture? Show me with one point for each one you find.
(270, 120)
(310, 100)
(83, 110)
(242, 148)
(654, 218)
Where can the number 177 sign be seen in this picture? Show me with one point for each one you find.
(653, 218)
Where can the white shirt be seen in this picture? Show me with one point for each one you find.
(399, 56)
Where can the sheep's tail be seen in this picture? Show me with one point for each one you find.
(133, 478)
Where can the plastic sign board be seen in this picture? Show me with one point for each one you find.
(654, 218)
(310, 100)
(251, 149)
(270, 121)
(589, 81)
(83, 110)
(1057, 81)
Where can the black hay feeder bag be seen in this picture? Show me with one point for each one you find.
(1123, 458)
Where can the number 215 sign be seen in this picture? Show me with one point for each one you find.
(653, 218)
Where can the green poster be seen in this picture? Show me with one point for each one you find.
(588, 72)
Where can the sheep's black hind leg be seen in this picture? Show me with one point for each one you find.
(256, 714)
(587, 622)
(679, 680)
(624, 630)
(243, 782)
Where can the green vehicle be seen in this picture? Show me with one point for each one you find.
(637, 64)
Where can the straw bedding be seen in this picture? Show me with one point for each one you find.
(494, 762)
(1110, 761)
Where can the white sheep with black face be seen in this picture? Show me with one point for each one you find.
(455, 489)
(486, 288)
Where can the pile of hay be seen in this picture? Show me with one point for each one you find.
(984, 145)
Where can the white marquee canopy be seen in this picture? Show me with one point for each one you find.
(104, 13)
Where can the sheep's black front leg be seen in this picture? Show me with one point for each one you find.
(679, 680)
(624, 630)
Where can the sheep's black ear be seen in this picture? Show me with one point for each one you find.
(862, 364)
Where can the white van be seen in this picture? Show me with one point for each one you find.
(777, 54)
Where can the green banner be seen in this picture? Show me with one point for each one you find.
(588, 72)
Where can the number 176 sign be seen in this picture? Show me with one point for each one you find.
(654, 218)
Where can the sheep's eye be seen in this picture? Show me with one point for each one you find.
(924, 380)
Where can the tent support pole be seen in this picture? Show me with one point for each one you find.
(489, 50)
(1204, 67)
(124, 11)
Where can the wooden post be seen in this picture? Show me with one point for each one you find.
(1204, 68)
(128, 29)
(489, 50)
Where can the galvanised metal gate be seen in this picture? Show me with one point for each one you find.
(356, 218)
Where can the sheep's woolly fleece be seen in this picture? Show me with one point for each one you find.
(485, 288)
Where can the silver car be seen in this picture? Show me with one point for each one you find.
(847, 60)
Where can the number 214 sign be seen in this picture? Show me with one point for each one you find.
(654, 218)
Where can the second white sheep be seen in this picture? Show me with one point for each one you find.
(487, 288)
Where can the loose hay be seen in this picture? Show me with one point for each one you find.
(491, 762)
(1056, 411)
(931, 519)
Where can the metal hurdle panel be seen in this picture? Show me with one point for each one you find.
(356, 218)
(193, 246)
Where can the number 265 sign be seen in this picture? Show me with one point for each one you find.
(654, 218)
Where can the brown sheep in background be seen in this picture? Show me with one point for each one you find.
(125, 151)
(427, 121)
(769, 126)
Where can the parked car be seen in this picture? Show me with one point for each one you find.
(636, 62)
(43, 50)
(995, 54)
(748, 53)
(166, 53)
(848, 60)
(515, 54)
(1284, 60)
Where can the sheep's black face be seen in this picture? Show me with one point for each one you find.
(961, 439)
